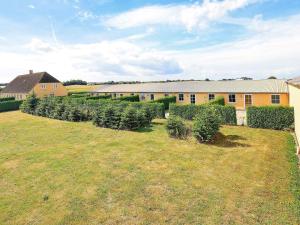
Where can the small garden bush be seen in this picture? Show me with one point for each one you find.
(10, 106)
(206, 125)
(132, 98)
(270, 117)
(176, 127)
(29, 105)
(99, 97)
(227, 114)
(7, 99)
(218, 101)
(166, 101)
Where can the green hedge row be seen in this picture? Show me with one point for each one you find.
(10, 106)
(270, 117)
(218, 101)
(7, 99)
(227, 113)
(99, 97)
(132, 98)
(166, 101)
(78, 93)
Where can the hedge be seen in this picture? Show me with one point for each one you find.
(10, 105)
(270, 117)
(132, 98)
(99, 97)
(78, 93)
(166, 101)
(7, 99)
(217, 101)
(227, 113)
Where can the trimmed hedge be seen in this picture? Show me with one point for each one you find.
(166, 101)
(132, 98)
(7, 99)
(218, 101)
(270, 117)
(10, 105)
(227, 113)
(99, 97)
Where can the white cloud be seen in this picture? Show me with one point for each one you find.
(193, 16)
(31, 6)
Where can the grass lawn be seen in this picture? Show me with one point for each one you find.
(79, 88)
(54, 172)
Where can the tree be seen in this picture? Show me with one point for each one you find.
(129, 119)
(272, 78)
(29, 105)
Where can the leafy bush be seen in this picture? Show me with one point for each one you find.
(109, 117)
(270, 117)
(227, 114)
(166, 101)
(133, 98)
(206, 125)
(176, 127)
(7, 99)
(29, 105)
(99, 97)
(130, 119)
(218, 101)
(10, 106)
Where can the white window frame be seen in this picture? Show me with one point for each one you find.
(55, 85)
(43, 86)
(181, 100)
(245, 99)
(194, 98)
(234, 98)
(209, 99)
(277, 95)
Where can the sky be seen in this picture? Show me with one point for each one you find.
(104, 40)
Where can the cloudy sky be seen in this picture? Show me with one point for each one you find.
(101, 40)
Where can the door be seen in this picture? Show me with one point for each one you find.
(248, 100)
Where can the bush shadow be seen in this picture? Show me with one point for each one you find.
(229, 141)
(144, 130)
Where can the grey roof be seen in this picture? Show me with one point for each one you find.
(295, 82)
(25, 83)
(235, 86)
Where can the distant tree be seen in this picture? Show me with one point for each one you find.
(74, 82)
(246, 78)
(207, 79)
(272, 78)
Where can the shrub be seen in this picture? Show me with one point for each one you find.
(166, 101)
(206, 125)
(130, 119)
(218, 101)
(7, 99)
(10, 106)
(29, 105)
(109, 117)
(133, 98)
(176, 127)
(227, 114)
(99, 97)
(270, 117)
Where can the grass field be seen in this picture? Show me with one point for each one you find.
(54, 172)
(79, 88)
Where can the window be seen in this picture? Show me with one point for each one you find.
(166, 95)
(181, 97)
(152, 97)
(211, 97)
(232, 98)
(55, 86)
(193, 99)
(143, 97)
(114, 95)
(43, 86)
(132, 94)
(121, 95)
(275, 99)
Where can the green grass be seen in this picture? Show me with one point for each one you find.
(54, 172)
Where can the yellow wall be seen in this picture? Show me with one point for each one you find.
(47, 89)
(259, 99)
(18, 96)
(295, 102)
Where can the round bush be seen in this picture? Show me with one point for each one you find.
(176, 127)
(130, 119)
(206, 125)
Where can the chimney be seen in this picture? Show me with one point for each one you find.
(30, 71)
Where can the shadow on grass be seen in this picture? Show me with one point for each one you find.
(144, 130)
(229, 141)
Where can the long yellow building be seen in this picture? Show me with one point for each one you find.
(41, 84)
(239, 93)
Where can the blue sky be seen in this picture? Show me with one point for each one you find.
(100, 40)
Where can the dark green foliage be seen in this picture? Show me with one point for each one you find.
(176, 127)
(227, 114)
(74, 82)
(29, 105)
(133, 98)
(7, 99)
(218, 101)
(130, 119)
(99, 97)
(206, 124)
(109, 117)
(166, 101)
(270, 117)
(10, 106)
